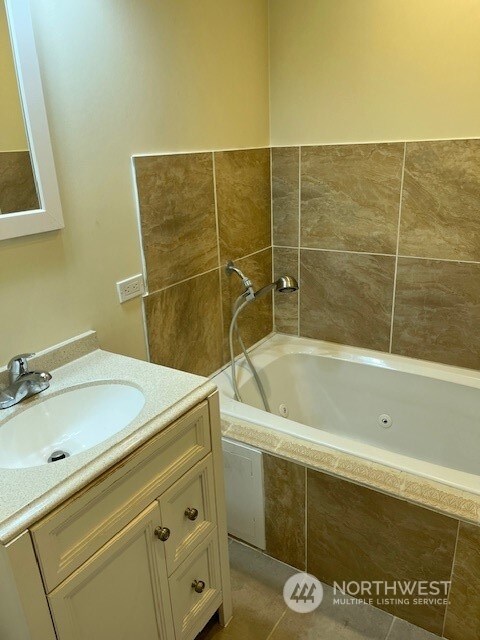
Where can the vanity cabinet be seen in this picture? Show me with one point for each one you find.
(141, 552)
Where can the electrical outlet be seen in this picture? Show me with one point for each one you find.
(130, 288)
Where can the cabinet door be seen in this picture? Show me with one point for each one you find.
(121, 592)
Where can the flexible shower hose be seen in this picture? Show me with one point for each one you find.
(237, 309)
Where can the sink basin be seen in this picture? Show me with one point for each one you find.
(67, 424)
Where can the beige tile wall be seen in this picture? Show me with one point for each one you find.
(197, 211)
(353, 533)
(387, 239)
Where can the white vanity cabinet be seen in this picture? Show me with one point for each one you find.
(141, 553)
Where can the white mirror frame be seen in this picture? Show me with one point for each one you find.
(49, 216)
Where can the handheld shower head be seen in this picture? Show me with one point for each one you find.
(286, 284)
(283, 284)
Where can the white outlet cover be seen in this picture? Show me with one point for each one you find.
(130, 288)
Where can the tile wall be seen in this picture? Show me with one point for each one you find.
(198, 211)
(340, 531)
(385, 239)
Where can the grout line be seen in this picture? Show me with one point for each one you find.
(451, 579)
(276, 624)
(458, 261)
(306, 519)
(299, 231)
(203, 273)
(390, 627)
(170, 286)
(397, 248)
(217, 227)
(271, 237)
(363, 253)
(386, 255)
(249, 255)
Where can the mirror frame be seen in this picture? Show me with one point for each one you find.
(49, 217)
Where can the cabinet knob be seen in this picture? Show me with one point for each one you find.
(198, 586)
(191, 513)
(162, 533)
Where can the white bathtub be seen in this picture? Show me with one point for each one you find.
(335, 396)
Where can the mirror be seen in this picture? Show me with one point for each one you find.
(29, 198)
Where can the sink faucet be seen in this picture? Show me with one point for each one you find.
(23, 383)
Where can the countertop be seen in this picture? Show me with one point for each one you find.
(26, 495)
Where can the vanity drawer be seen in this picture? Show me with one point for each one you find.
(68, 536)
(188, 511)
(191, 609)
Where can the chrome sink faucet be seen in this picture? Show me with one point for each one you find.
(23, 383)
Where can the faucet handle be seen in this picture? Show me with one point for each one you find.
(18, 365)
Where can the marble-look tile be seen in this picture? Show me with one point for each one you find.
(351, 196)
(184, 325)
(334, 622)
(346, 297)
(285, 262)
(243, 201)
(402, 630)
(437, 311)
(441, 200)
(255, 321)
(257, 593)
(285, 188)
(18, 191)
(177, 211)
(284, 486)
(463, 620)
(357, 534)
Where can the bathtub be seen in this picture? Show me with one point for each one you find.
(412, 415)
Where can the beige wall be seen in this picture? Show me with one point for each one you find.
(12, 130)
(374, 70)
(123, 77)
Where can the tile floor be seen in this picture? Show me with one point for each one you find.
(260, 612)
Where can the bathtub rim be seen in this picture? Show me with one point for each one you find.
(430, 478)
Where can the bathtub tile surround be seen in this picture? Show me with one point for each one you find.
(350, 197)
(197, 210)
(346, 297)
(243, 200)
(255, 321)
(356, 534)
(441, 200)
(177, 204)
(285, 195)
(285, 261)
(462, 619)
(419, 505)
(437, 311)
(285, 504)
(18, 190)
(417, 204)
(184, 325)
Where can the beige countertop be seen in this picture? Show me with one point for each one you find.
(28, 494)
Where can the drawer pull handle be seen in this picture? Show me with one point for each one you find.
(162, 533)
(198, 586)
(191, 513)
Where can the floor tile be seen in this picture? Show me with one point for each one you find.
(257, 588)
(402, 630)
(334, 622)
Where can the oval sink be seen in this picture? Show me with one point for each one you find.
(68, 423)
